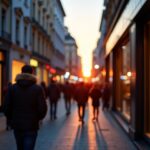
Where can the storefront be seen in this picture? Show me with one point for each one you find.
(121, 79)
(128, 51)
(41, 71)
(147, 81)
(16, 68)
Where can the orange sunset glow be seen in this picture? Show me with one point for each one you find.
(84, 26)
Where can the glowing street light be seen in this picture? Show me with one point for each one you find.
(96, 66)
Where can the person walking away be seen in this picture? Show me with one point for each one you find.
(67, 90)
(81, 96)
(8, 120)
(106, 96)
(43, 84)
(25, 104)
(54, 95)
(95, 94)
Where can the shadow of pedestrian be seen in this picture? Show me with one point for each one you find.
(81, 140)
(100, 139)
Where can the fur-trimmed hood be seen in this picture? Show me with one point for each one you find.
(25, 79)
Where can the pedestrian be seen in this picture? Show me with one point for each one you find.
(95, 94)
(25, 104)
(106, 96)
(54, 95)
(43, 84)
(8, 120)
(81, 96)
(67, 91)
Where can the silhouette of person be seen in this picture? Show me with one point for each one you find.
(8, 120)
(25, 104)
(43, 84)
(106, 96)
(67, 90)
(81, 96)
(95, 94)
(54, 95)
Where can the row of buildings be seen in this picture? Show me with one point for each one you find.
(33, 32)
(123, 52)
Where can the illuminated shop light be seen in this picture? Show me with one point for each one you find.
(129, 74)
(123, 77)
(33, 62)
(67, 74)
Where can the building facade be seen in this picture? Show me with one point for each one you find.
(71, 56)
(42, 46)
(5, 44)
(31, 32)
(126, 54)
(20, 37)
(58, 37)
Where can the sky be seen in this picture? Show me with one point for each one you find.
(83, 21)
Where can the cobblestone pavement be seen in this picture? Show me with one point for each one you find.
(66, 133)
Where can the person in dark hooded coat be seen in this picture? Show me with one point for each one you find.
(25, 104)
(54, 95)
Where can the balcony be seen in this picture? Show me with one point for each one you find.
(5, 35)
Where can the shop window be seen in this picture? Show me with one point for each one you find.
(125, 81)
(16, 69)
(121, 79)
(147, 81)
(116, 78)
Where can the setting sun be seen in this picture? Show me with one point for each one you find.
(86, 72)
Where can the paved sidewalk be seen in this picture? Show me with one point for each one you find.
(66, 133)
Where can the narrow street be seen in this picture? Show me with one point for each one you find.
(66, 133)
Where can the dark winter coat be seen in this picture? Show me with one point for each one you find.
(95, 94)
(53, 92)
(81, 95)
(67, 90)
(25, 103)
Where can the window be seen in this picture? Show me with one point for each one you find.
(25, 37)
(39, 16)
(122, 80)
(125, 81)
(33, 10)
(3, 21)
(33, 41)
(17, 31)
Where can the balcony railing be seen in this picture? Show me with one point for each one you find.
(5, 35)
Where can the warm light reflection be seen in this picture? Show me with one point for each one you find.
(129, 74)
